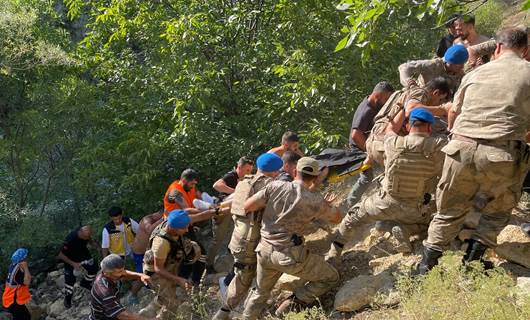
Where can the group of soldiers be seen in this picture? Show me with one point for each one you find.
(467, 153)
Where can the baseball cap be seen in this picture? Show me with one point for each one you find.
(308, 165)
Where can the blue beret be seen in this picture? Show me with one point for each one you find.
(19, 255)
(456, 54)
(178, 219)
(269, 162)
(421, 114)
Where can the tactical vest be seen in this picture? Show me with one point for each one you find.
(181, 249)
(410, 168)
(116, 244)
(246, 235)
(389, 110)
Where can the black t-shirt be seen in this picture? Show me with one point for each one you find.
(75, 248)
(444, 44)
(231, 179)
(363, 119)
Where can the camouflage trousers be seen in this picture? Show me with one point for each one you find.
(222, 229)
(168, 295)
(487, 176)
(245, 272)
(381, 206)
(296, 261)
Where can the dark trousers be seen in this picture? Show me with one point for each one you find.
(19, 312)
(86, 282)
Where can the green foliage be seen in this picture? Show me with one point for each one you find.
(453, 291)
(487, 17)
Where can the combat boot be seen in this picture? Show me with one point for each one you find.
(333, 256)
(290, 304)
(475, 251)
(403, 239)
(429, 260)
(222, 314)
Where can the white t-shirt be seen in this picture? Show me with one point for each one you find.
(105, 237)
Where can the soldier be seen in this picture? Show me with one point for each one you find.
(290, 159)
(429, 97)
(362, 124)
(291, 211)
(246, 234)
(290, 141)
(413, 166)
(451, 67)
(486, 160)
(168, 249)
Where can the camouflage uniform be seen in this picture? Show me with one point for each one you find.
(397, 102)
(245, 239)
(486, 161)
(424, 71)
(175, 250)
(290, 213)
(412, 170)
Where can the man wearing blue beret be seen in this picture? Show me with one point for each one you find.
(245, 237)
(451, 67)
(413, 165)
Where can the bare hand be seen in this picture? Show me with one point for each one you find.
(412, 83)
(145, 279)
(184, 283)
(76, 265)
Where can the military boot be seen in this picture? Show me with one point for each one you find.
(222, 314)
(290, 304)
(403, 239)
(333, 256)
(475, 251)
(429, 260)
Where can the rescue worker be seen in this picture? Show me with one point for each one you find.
(105, 303)
(290, 141)
(447, 41)
(118, 235)
(76, 256)
(451, 67)
(430, 97)
(362, 124)
(291, 211)
(246, 234)
(180, 195)
(222, 226)
(168, 249)
(413, 165)
(288, 170)
(16, 292)
(487, 157)
(466, 33)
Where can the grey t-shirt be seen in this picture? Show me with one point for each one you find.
(363, 119)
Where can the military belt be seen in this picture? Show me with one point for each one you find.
(297, 240)
(499, 143)
(244, 266)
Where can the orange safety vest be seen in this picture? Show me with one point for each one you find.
(187, 195)
(14, 291)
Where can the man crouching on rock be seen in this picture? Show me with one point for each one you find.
(168, 249)
(105, 304)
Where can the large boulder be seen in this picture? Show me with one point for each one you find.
(361, 291)
(514, 245)
(57, 308)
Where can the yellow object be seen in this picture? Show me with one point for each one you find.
(334, 178)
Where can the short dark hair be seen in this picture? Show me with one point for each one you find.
(513, 38)
(290, 136)
(439, 83)
(307, 177)
(244, 160)
(384, 86)
(115, 211)
(451, 19)
(189, 174)
(468, 18)
(290, 157)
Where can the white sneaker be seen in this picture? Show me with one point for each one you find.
(207, 198)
